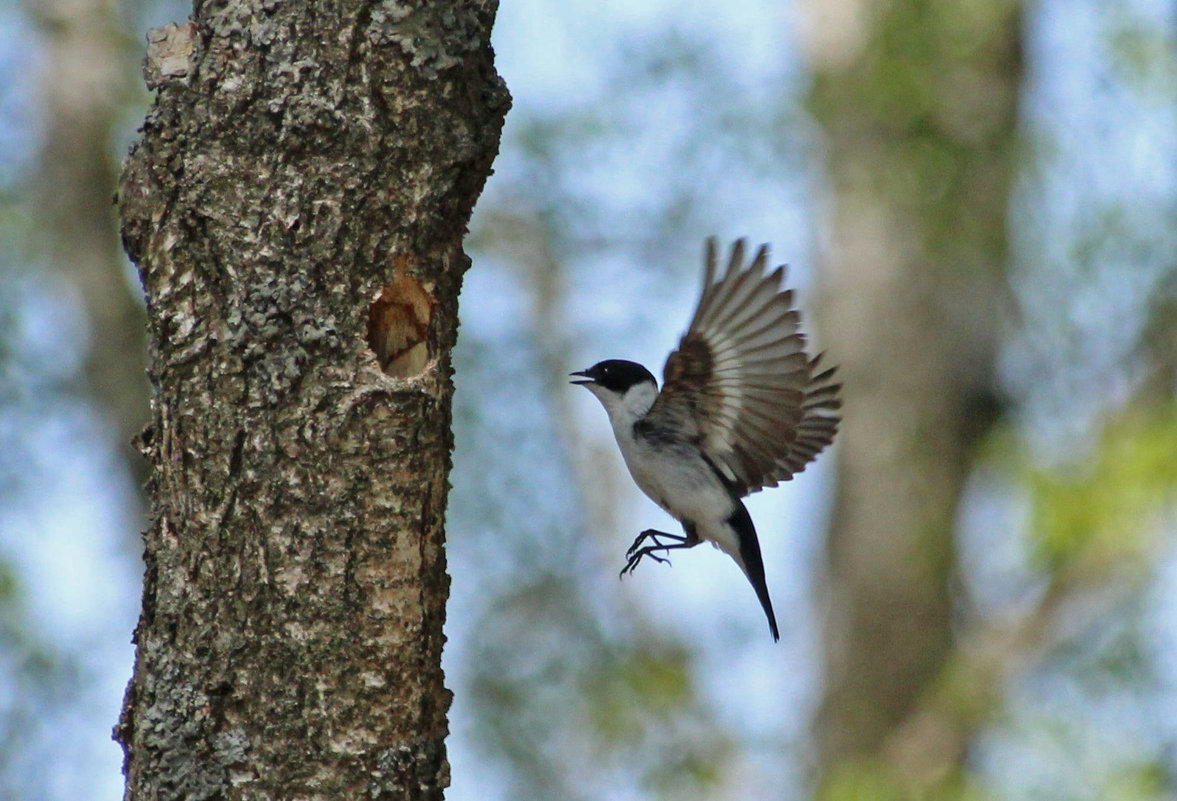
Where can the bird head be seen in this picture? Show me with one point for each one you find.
(620, 385)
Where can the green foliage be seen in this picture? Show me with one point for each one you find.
(876, 780)
(1144, 781)
(925, 95)
(1144, 53)
(862, 781)
(637, 684)
(567, 695)
(635, 697)
(1113, 504)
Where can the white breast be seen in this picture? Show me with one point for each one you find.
(674, 476)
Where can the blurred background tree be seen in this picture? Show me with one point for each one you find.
(918, 106)
(977, 586)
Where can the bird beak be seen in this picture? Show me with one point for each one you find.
(587, 378)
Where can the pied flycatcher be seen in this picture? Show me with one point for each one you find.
(742, 408)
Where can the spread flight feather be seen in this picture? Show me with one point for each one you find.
(741, 382)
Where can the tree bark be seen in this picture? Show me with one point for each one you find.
(918, 103)
(296, 206)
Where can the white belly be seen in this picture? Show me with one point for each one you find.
(683, 484)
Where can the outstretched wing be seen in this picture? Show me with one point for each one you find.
(740, 381)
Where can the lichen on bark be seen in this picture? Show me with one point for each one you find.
(290, 640)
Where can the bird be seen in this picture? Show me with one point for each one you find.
(742, 407)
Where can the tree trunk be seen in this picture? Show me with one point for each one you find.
(918, 103)
(296, 206)
(83, 82)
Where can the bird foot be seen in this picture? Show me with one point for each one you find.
(637, 551)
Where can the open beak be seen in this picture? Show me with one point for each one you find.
(587, 378)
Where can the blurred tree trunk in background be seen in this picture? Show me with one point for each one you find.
(918, 104)
(81, 88)
(296, 206)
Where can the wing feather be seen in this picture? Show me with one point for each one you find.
(740, 379)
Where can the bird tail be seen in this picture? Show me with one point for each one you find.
(751, 561)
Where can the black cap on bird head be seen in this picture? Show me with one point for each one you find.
(617, 375)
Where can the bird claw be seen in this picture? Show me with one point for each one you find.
(654, 534)
(635, 557)
(637, 551)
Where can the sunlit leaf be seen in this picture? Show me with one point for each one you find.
(1114, 503)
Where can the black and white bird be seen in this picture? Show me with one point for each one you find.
(742, 408)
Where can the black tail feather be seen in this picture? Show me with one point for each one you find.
(741, 522)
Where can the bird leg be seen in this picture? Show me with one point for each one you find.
(637, 550)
